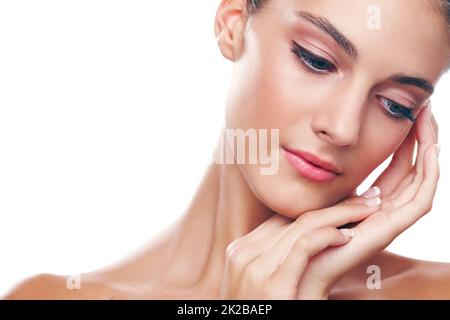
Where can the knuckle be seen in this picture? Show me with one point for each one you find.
(302, 244)
(424, 206)
(231, 247)
(236, 255)
(305, 219)
(331, 231)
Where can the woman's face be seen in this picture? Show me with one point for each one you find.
(340, 80)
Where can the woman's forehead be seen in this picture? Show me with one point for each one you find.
(408, 35)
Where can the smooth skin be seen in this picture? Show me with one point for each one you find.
(247, 236)
(280, 259)
(303, 259)
(285, 260)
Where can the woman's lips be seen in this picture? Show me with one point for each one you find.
(307, 169)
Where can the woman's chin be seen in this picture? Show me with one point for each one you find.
(291, 195)
(293, 203)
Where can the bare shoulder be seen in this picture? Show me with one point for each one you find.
(130, 278)
(428, 280)
(398, 277)
(48, 287)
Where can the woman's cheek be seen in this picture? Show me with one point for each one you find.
(282, 98)
(377, 145)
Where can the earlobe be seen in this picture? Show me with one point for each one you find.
(229, 26)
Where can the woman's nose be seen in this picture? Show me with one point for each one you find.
(339, 121)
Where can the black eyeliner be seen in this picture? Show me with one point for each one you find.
(403, 112)
(303, 53)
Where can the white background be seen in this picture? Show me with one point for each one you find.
(99, 103)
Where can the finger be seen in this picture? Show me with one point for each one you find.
(240, 254)
(434, 122)
(302, 249)
(408, 188)
(409, 178)
(425, 136)
(380, 229)
(406, 215)
(377, 231)
(265, 228)
(351, 210)
(436, 127)
(401, 163)
(401, 186)
(399, 166)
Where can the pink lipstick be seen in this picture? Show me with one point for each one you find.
(310, 166)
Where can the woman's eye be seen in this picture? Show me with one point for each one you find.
(397, 111)
(313, 62)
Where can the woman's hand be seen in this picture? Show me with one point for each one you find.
(303, 259)
(407, 194)
(268, 262)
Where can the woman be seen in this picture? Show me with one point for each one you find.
(322, 77)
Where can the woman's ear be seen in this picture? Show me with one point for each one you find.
(229, 27)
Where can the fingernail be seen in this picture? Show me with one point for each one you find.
(349, 233)
(438, 149)
(372, 201)
(372, 192)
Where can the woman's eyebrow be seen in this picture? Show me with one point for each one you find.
(413, 81)
(326, 26)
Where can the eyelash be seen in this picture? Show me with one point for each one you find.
(309, 61)
(401, 112)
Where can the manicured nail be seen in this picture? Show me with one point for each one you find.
(372, 201)
(372, 192)
(349, 233)
(438, 149)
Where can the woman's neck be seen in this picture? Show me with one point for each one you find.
(223, 209)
